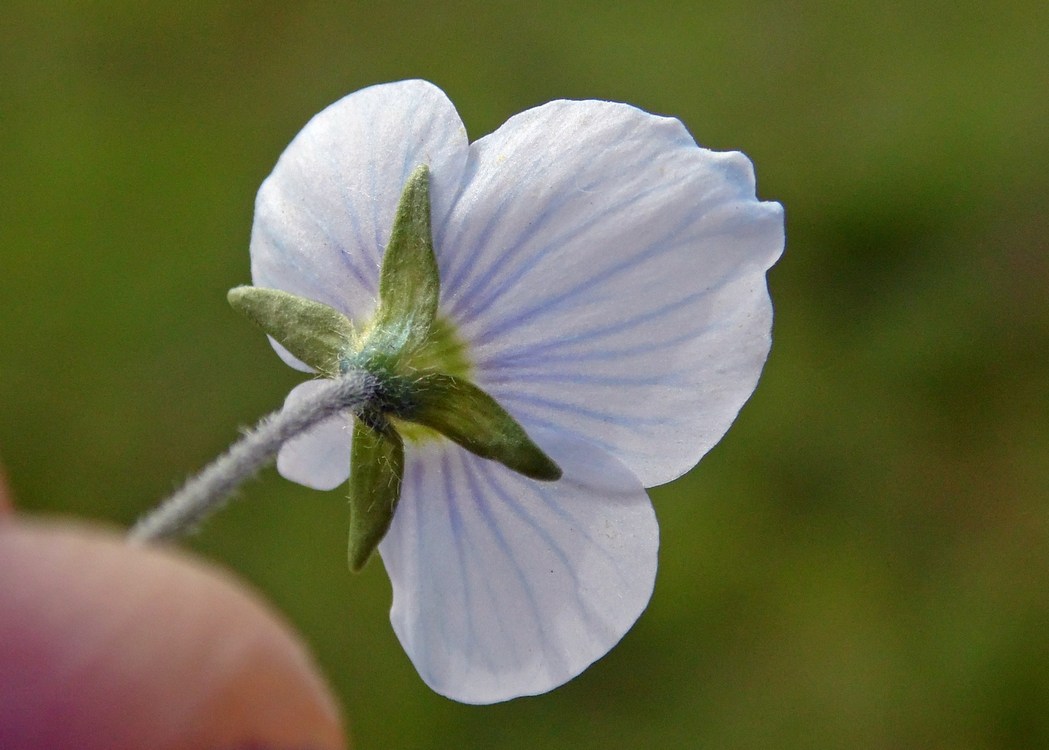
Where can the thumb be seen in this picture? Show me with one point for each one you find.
(108, 645)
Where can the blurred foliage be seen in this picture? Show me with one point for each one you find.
(864, 560)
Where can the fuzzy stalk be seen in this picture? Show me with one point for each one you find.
(211, 489)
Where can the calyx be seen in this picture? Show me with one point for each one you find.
(418, 362)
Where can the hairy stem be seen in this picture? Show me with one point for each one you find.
(209, 490)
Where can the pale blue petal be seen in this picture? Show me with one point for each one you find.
(320, 457)
(609, 278)
(504, 586)
(288, 357)
(323, 217)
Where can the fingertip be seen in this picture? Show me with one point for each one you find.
(109, 645)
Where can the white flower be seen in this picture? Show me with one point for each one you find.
(606, 279)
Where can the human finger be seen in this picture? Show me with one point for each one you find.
(109, 645)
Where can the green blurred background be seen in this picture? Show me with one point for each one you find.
(863, 562)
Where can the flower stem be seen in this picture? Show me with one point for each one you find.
(209, 490)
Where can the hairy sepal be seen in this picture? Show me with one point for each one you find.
(318, 335)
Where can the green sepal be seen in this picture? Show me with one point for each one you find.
(315, 333)
(462, 412)
(376, 469)
(409, 282)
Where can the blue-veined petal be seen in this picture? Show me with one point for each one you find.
(504, 586)
(609, 277)
(323, 217)
(320, 457)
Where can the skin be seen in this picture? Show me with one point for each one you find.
(108, 645)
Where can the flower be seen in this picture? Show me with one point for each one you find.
(602, 278)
